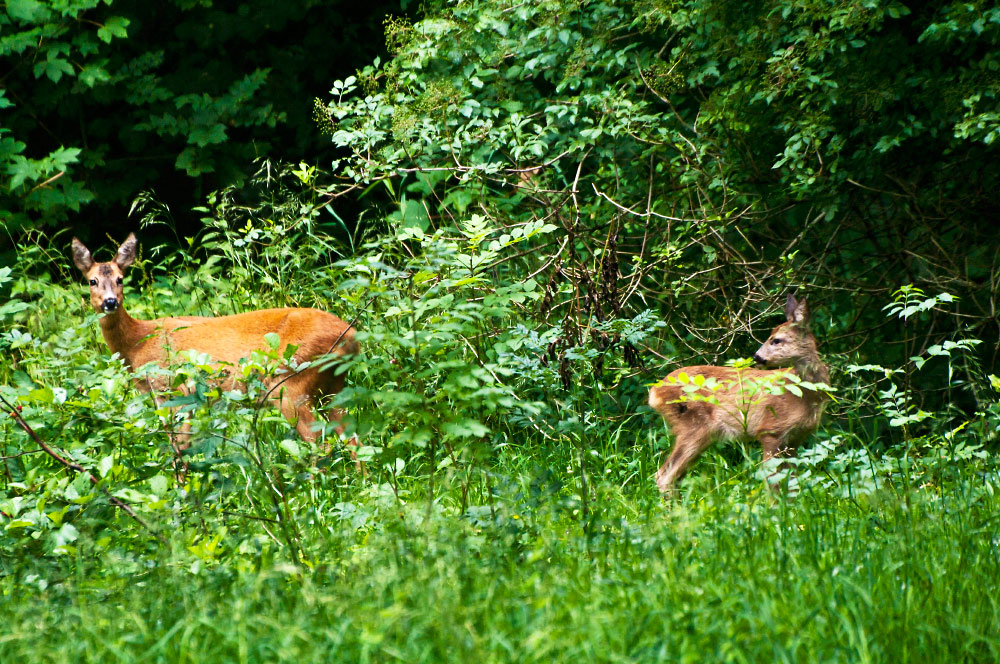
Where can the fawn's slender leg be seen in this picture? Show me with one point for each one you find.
(687, 447)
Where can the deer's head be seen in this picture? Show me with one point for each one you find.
(106, 279)
(791, 341)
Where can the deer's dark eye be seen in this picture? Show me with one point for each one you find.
(120, 281)
(775, 342)
(93, 282)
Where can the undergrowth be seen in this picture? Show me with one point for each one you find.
(505, 514)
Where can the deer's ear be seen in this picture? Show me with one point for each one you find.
(126, 252)
(797, 311)
(81, 256)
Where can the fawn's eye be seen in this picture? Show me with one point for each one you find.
(775, 342)
(93, 282)
(120, 281)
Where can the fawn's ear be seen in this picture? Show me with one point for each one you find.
(797, 311)
(81, 256)
(126, 252)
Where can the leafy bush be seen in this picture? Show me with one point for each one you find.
(698, 158)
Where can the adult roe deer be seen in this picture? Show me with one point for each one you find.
(226, 339)
(779, 406)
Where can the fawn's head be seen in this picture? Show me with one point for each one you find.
(106, 279)
(791, 341)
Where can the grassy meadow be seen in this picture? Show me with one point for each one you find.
(733, 575)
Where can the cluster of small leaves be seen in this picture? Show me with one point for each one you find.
(909, 300)
(258, 231)
(79, 403)
(893, 387)
(113, 442)
(527, 114)
(749, 385)
(840, 466)
(204, 120)
(485, 112)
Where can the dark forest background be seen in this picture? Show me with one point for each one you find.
(103, 101)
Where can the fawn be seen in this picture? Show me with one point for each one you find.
(779, 406)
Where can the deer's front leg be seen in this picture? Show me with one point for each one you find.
(688, 446)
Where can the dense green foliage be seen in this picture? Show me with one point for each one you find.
(102, 99)
(724, 149)
(560, 202)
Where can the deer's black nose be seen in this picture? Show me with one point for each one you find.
(757, 358)
(110, 304)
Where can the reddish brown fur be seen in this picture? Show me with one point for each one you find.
(738, 409)
(227, 339)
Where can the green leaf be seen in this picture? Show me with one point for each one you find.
(115, 26)
(27, 11)
(66, 535)
(22, 170)
(291, 447)
(53, 67)
(158, 484)
(416, 436)
(207, 135)
(91, 75)
(194, 162)
(465, 428)
(63, 157)
(105, 465)
(42, 395)
(12, 307)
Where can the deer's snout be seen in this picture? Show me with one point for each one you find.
(110, 304)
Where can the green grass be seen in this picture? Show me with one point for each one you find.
(899, 577)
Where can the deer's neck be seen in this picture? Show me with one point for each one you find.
(812, 369)
(125, 334)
